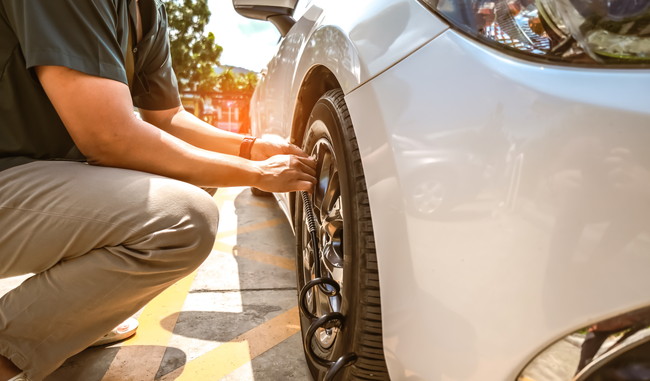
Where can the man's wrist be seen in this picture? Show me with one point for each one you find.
(246, 147)
(254, 173)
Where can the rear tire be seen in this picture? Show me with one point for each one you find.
(347, 244)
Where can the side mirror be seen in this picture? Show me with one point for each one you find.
(278, 12)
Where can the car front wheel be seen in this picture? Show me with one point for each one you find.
(340, 306)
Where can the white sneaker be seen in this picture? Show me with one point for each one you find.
(121, 332)
(19, 377)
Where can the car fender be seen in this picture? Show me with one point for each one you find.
(357, 40)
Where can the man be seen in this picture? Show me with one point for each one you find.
(90, 197)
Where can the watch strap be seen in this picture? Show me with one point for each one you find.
(246, 147)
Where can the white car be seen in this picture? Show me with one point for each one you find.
(483, 202)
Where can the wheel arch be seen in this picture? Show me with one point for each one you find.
(328, 59)
(318, 80)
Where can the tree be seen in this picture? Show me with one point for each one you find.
(228, 81)
(247, 82)
(193, 53)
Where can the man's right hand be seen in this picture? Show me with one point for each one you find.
(286, 173)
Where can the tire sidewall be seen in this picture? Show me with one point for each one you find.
(332, 129)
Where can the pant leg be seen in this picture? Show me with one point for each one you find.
(102, 242)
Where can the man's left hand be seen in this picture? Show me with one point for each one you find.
(271, 145)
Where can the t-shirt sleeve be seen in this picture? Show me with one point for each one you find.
(156, 87)
(83, 35)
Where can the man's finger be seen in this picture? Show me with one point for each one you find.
(306, 168)
(305, 176)
(304, 186)
(307, 161)
(295, 150)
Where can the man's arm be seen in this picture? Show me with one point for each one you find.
(193, 130)
(98, 114)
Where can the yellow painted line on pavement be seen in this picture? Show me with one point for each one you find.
(152, 337)
(225, 195)
(275, 260)
(167, 304)
(233, 230)
(230, 356)
(250, 228)
(270, 259)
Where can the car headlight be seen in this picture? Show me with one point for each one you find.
(570, 31)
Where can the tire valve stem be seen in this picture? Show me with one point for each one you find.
(328, 320)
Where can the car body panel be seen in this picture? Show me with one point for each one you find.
(509, 198)
(356, 41)
(553, 235)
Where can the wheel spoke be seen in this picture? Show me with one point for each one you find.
(333, 261)
(324, 178)
(333, 190)
(333, 222)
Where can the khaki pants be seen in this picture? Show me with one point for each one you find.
(101, 242)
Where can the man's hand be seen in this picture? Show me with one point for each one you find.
(271, 145)
(287, 173)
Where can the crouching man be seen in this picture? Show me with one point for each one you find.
(104, 208)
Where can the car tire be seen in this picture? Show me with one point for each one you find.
(347, 247)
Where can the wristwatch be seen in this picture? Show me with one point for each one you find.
(246, 147)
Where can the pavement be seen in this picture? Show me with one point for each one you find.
(235, 318)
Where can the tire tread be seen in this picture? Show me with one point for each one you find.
(371, 364)
(367, 340)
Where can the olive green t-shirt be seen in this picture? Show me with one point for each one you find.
(90, 36)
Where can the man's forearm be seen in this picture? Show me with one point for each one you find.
(193, 130)
(153, 150)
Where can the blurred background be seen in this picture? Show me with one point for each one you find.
(218, 56)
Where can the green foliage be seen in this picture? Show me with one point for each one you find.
(193, 53)
(247, 82)
(232, 82)
(226, 81)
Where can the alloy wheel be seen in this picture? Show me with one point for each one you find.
(328, 216)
